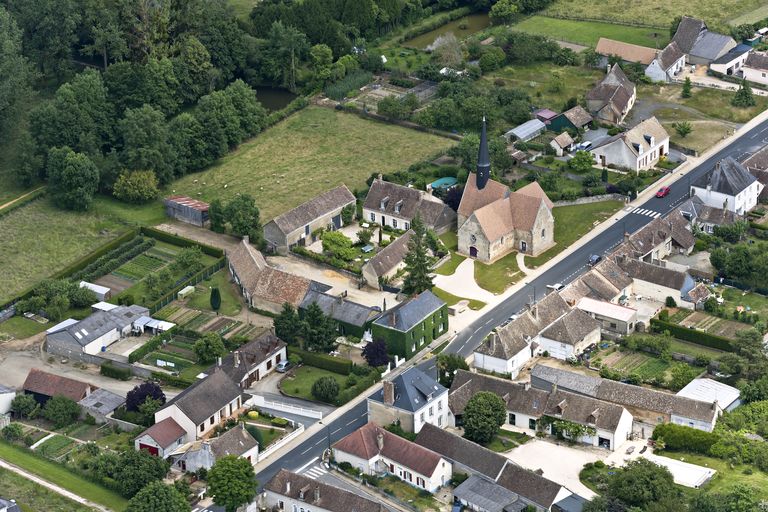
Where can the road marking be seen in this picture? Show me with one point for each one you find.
(476, 331)
(305, 466)
(364, 415)
(320, 441)
(351, 422)
(646, 212)
(315, 472)
(305, 451)
(336, 430)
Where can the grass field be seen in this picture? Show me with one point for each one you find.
(760, 13)
(230, 300)
(571, 223)
(694, 350)
(589, 32)
(406, 493)
(498, 276)
(20, 327)
(299, 382)
(657, 13)
(452, 299)
(59, 475)
(32, 497)
(733, 298)
(310, 152)
(451, 241)
(711, 103)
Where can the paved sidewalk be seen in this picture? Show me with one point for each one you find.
(462, 283)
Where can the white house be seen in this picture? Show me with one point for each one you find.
(755, 68)
(162, 438)
(292, 492)
(562, 143)
(413, 399)
(657, 283)
(732, 62)
(203, 453)
(376, 451)
(667, 64)
(612, 317)
(254, 360)
(728, 186)
(508, 348)
(393, 205)
(568, 336)
(636, 149)
(6, 397)
(726, 397)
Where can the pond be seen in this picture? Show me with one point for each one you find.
(274, 98)
(472, 23)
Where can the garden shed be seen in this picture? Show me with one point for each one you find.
(102, 292)
(187, 210)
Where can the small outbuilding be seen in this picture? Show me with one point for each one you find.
(100, 404)
(102, 292)
(526, 131)
(712, 392)
(187, 210)
(6, 397)
(562, 143)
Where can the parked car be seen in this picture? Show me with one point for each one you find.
(584, 146)
(663, 192)
(595, 259)
(556, 287)
(283, 366)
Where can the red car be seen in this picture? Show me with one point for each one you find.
(663, 192)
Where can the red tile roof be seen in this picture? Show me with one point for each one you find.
(48, 384)
(165, 432)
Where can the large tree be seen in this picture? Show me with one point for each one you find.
(483, 415)
(73, 178)
(243, 217)
(144, 136)
(193, 69)
(641, 482)
(61, 411)
(16, 74)
(288, 324)
(232, 482)
(136, 469)
(139, 394)
(318, 330)
(375, 353)
(209, 347)
(158, 497)
(287, 46)
(417, 261)
(447, 366)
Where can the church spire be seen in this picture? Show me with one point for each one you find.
(483, 160)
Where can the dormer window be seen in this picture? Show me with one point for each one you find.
(384, 202)
(398, 206)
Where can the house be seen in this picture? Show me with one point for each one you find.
(526, 131)
(545, 115)
(725, 397)
(299, 225)
(262, 286)
(575, 118)
(569, 335)
(412, 325)
(700, 44)
(376, 451)
(187, 210)
(612, 98)
(393, 205)
(755, 68)
(161, 439)
(728, 186)
(655, 282)
(636, 149)
(9, 505)
(699, 295)
(757, 165)
(101, 292)
(731, 63)
(659, 238)
(613, 318)
(253, 361)
(378, 270)
(6, 397)
(95, 333)
(204, 405)
(43, 386)
(706, 217)
(562, 143)
(667, 64)
(351, 318)
(292, 492)
(625, 51)
(481, 494)
(648, 407)
(606, 281)
(506, 350)
(100, 404)
(203, 453)
(412, 399)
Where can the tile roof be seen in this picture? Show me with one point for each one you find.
(189, 202)
(165, 432)
(409, 313)
(670, 55)
(364, 443)
(545, 114)
(688, 32)
(461, 451)
(638, 139)
(570, 381)
(517, 211)
(653, 273)
(699, 293)
(612, 273)
(98, 324)
(206, 396)
(727, 177)
(235, 441)
(578, 116)
(102, 401)
(341, 309)
(391, 256)
(49, 384)
(466, 384)
(628, 52)
(507, 341)
(333, 499)
(757, 161)
(707, 214)
(249, 356)
(406, 202)
(584, 410)
(436, 214)
(572, 328)
(473, 198)
(535, 191)
(488, 495)
(563, 141)
(549, 309)
(711, 44)
(614, 89)
(313, 209)
(530, 485)
(413, 389)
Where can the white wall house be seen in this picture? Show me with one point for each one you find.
(612, 317)
(570, 335)
(636, 149)
(755, 68)
(162, 438)
(291, 492)
(506, 350)
(667, 64)
(731, 63)
(728, 186)
(6, 397)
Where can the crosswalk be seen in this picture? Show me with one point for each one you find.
(315, 472)
(646, 212)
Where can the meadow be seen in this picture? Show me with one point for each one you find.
(588, 32)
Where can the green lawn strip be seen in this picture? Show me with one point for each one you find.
(407, 493)
(59, 475)
(55, 446)
(119, 441)
(710, 103)
(299, 382)
(269, 435)
(147, 214)
(32, 497)
(691, 349)
(589, 32)
(733, 298)
(505, 440)
(20, 327)
(230, 299)
(452, 299)
(191, 372)
(498, 276)
(449, 267)
(571, 223)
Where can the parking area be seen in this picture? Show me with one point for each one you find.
(123, 347)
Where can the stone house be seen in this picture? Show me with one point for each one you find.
(412, 325)
(636, 149)
(203, 453)
(659, 239)
(757, 165)
(506, 350)
(627, 52)
(706, 217)
(569, 335)
(613, 97)
(667, 64)
(292, 492)
(297, 226)
(387, 262)
(253, 361)
(395, 206)
(655, 282)
(728, 186)
(351, 318)
(701, 45)
(606, 281)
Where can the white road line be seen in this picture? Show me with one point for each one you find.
(305, 466)
(305, 451)
(336, 430)
(351, 422)
(320, 441)
(364, 415)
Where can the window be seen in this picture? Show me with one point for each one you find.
(373, 217)
(211, 420)
(281, 505)
(394, 223)
(202, 427)
(543, 233)
(439, 421)
(407, 226)
(532, 424)
(511, 418)
(306, 230)
(392, 468)
(431, 411)
(269, 364)
(295, 508)
(439, 406)
(422, 417)
(613, 325)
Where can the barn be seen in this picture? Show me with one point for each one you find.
(187, 210)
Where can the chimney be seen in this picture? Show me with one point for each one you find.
(317, 493)
(535, 311)
(385, 305)
(554, 387)
(237, 358)
(527, 386)
(380, 177)
(389, 392)
(608, 68)
(380, 441)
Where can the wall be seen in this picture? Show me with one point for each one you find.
(472, 227)
(614, 324)
(365, 466)
(592, 199)
(407, 344)
(105, 340)
(756, 75)
(393, 221)
(260, 401)
(383, 415)
(272, 500)
(438, 416)
(657, 292)
(522, 421)
(5, 401)
(283, 241)
(616, 153)
(272, 448)
(729, 68)
(180, 418)
(688, 422)
(509, 366)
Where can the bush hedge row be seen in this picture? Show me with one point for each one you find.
(109, 370)
(172, 380)
(34, 196)
(185, 281)
(150, 346)
(682, 438)
(293, 107)
(328, 260)
(694, 336)
(181, 242)
(114, 258)
(326, 362)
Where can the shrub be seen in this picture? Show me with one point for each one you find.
(679, 437)
(670, 302)
(13, 432)
(664, 314)
(354, 80)
(109, 370)
(136, 187)
(61, 411)
(280, 422)
(692, 335)
(326, 389)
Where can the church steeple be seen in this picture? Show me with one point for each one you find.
(483, 160)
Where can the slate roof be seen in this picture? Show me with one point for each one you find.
(563, 141)
(578, 116)
(670, 55)
(48, 384)
(757, 60)
(206, 396)
(341, 309)
(473, 198)
(98, 324)
(653, 273)
(406, 202)
(102, 401)
(334, 499)
(615, 89)
(638, 138)
(10, 506)
(688, 32)
(250, 355)
(612, 273)
(584, 410)
(530, 485)
(164, 432)
(413, 389)
(363, 443)
(628, 52)
(732, 55)
(571, 381)
(707, 214)
(461, 451)
(391, 256)
(409, 313)
(6, 389)
(488, 495)
(572, 328)
(235, 441)
(264, 282)
(313, 209)
(711, 44)
(727, 177)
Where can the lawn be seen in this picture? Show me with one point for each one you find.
(571, 223)
(230, 299)
(417, 498)
(269, 435)
(711, 103)
(588, 32)
(20, 327)
(55, 447)
(498, 276)
(691, 349)
(657, 13)
(733, 298)
(59, 475)
(451, 299)
(714, 324)
(32, 497)
(758, 14)
(299, 382)
(312, 151)
(505, 440)
(242, 8)
(451, 242)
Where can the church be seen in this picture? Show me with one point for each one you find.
(494, 221)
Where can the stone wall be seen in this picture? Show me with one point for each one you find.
(592, 199)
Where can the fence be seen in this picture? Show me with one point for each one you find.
(592, 199)
(260, 401)
(280, 443)
(200, 276)
(125, 426)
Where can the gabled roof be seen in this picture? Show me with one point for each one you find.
(364, 443)
(436, 214)
(563, 141)
(488, 495)
(413, 389)
(462, 451)
(188, 202)
(409, 313)
(530, 485)
(49, 384)
(707, 214)
(733, 54)
(688, 32)
(341, 309)
(165, 432)
(638, 139)
(669, 56)
(313, 209)
(612, 273)
(391, 256)
(527, 129)
(571, 381)
(549, 309)
(615, 90)
(334, 499)
(628, 52)
(652, 273)
(239, 363)
(578, 116)
(727, 177)
(572, 328)
(235, 441)
(397, 199)
(202, 399)
(102, 401)
(711, 45)
(757, 161)
(699, 293)
(508, 341)
(473, 198)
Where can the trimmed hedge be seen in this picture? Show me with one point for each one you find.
(114, 258)
(181, 242)
(694, 336)
(185, 281)
(109, 370)
(327, 260)
(22, 202)
(153, 344)
(326, 362)
(682, 438)
(172, 380)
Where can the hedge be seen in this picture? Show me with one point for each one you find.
(150, 346)
(185, 281)
(33, 196)
(327, 260)
(682, 438)
(172, 380)
(180, 241)
(109, 370)
(114, 259)
(326, 362)
(278, 115)
(694, 336)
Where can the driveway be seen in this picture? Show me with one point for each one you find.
(268, 387)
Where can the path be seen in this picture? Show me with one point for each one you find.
(53, 487)
(520, 258)
(9, 203)
(462, 283)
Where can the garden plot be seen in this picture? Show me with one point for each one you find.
(645, 366)
(222, 326)
(198, 321)
(714, 325)
(247, 330)
(139, 267)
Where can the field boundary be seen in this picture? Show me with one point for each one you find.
(600, 20)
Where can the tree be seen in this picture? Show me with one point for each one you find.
(288, 325)
(217, 216)
(503, 11)
(483, 415)
(686, 92)
(326, 389)
(72, 177)
(189, 260)
(61, 411)
(16, 73)
(447, 366)
(243, 217)
(743, 97)
(287, 45)
(158, 497)
(640, 483)
(144, 134)
(743, 32)
(683, 128)
(136, 187)
(209, 347)
(136, 469)
(13, 432)
(318, 330)
(139, 394)
(447, 51)
(364, 236)
(375, 353)
(193, 69)
(23, 405)
(417, 263)
(251, 114)
(682, 374)
(215, 299)
(492, 58)
(582, 161)
(232, 482)
(321, 56)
